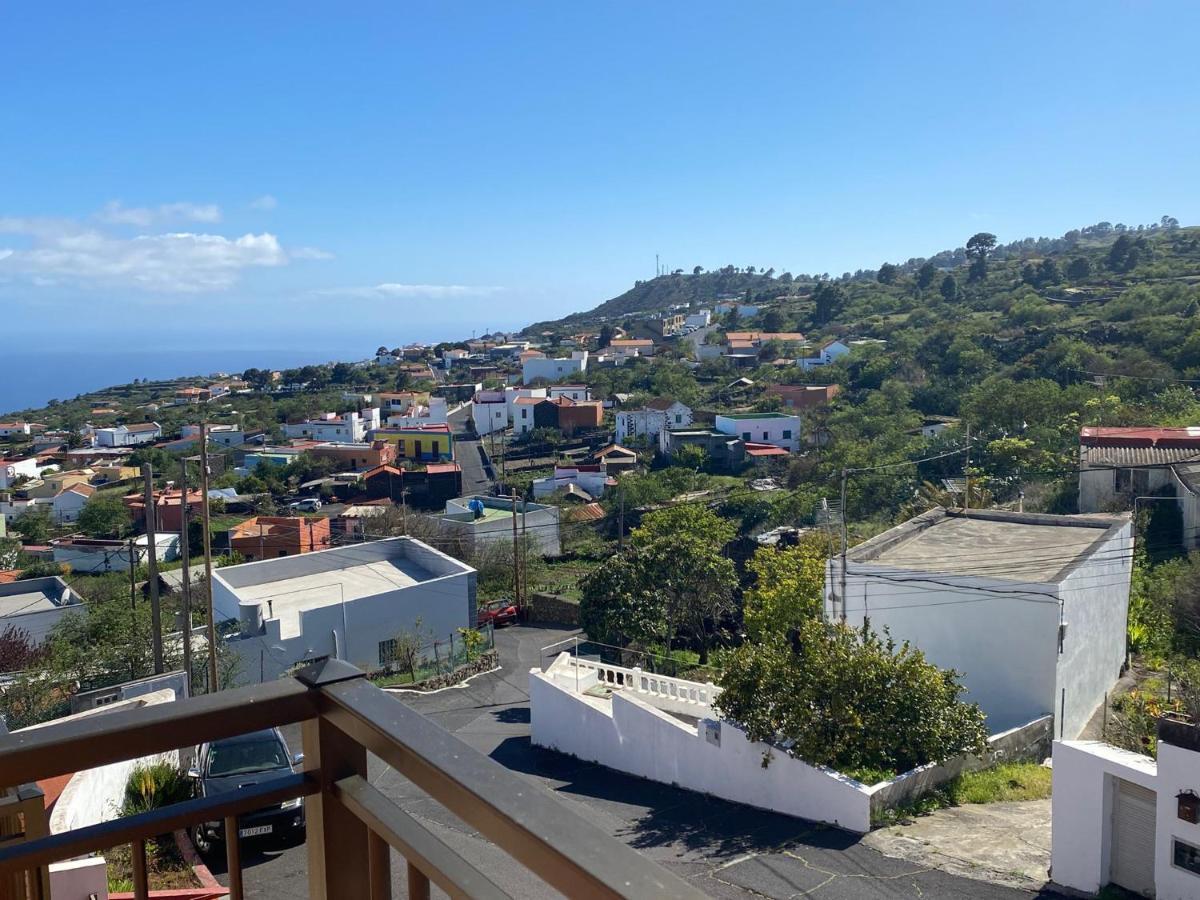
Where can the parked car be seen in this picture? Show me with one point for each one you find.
(308, 504)
(498, 612)
(233, 763)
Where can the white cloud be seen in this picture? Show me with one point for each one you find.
(310, 253)
(424, 291)
(66, 252)
(114, 213)
(266, 203)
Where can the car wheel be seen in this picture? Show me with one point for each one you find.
(200, 838)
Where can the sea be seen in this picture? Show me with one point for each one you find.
(30, 378)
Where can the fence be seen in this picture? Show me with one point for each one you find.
(438, 657)
(626, 658)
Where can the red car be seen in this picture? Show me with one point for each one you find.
(498, 612)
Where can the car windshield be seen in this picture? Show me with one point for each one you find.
(243, 757)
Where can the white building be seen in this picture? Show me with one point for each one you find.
(128, 435)
(1125, 819)
(97, 555)
(827, 354)
(512, 394)
(592, 479)
(434, 411)
(489, 411)
(776, 429)
(554, 369)
(68, 503)
(1119, 465)
(221, 434)
(576, 392)
(348, 602)
(701, 318)
(479, 520)
(348, 428)
(1030, 608)
(11, 429)
(35, 605)
(12, 469)
(656, 416)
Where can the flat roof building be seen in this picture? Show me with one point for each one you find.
(347, 602)
(1030, 608)
(35, 605)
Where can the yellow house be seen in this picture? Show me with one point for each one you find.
(429, 443)
(54, 483)
(112, 472)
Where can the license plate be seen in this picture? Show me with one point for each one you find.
(255, 831)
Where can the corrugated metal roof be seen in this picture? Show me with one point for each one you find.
(1136, 456)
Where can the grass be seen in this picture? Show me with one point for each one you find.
(1002, 783)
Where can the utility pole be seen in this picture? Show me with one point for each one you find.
(516, 557)
(152, 559)
(212, 625)
(620, 519)
(843, 573)
(967, 471)
(132, 576)
(185, 552)
(404, 509)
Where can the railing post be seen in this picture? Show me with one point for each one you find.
(381, 867)
(339, 855)
(233, 858)
(141, 879)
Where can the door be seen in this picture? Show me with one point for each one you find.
(1132, 851)
(416, 449)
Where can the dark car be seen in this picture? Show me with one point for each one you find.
(498, 612)
(237, 762)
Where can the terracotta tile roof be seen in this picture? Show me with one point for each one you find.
(755, 449)
(442, 468)
(589, 512)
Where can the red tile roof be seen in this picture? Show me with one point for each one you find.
(441, 468)
(754, 449)
(1092, 436)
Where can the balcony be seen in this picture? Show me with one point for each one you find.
(352, 827)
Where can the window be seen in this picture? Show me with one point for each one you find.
(1135, 481)
(524, 413)
(1185, 856)
(282, 553)
(387, 652)
(678, 418)
(745, 435)
(787, 434)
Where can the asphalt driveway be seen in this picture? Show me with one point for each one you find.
(727, 850)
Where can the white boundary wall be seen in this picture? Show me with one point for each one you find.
(633, 736)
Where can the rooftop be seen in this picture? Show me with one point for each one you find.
(759, 415)
(1140, 437)
(1025, 547)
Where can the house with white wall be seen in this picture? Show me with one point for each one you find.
(14, 429)
(98, 555)
(621, 350)
(513, 394)
(1120, 468)
(698, 319)
(592, 479)
(1129, 820)
(656, 416)
(777, 429)
(1030, 608)
(36, 605)
(827, 354)
(347, 602)
(489, 411)
(13, 469)
(477, 520)
(576, 392)
(348, 428)
(128, 435)
(68, 503)
(554, 368)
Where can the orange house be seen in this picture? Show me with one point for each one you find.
(268, 537)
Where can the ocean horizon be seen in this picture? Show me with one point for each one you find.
(29, 379)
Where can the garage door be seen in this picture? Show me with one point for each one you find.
(1133, 838)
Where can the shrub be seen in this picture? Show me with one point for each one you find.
(155, 785)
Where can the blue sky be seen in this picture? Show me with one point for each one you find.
(264, 172)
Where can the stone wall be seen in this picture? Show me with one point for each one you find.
(551, 609)
(487, 661)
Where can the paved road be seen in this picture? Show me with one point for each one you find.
(728, 850)
(467, 452)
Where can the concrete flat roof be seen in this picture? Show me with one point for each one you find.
(988, 544)
(286, 598)
(27, 602)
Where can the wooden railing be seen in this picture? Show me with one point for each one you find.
(351, 825)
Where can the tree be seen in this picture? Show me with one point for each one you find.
(17, 649)
(1048, 272)
(674, 581)
(407, 648)
(1079, 268)
(786, 278)
(787, 588)
(978, 248)
(342, 373)
(828, 300)
(1029, 274)
(849, 699)
(697, 270)
(887, 274)
(105, 516)
(926, 275)
(1118, 253)
(773, 321)
(33, 525)
(607, 332)
(949, 288)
